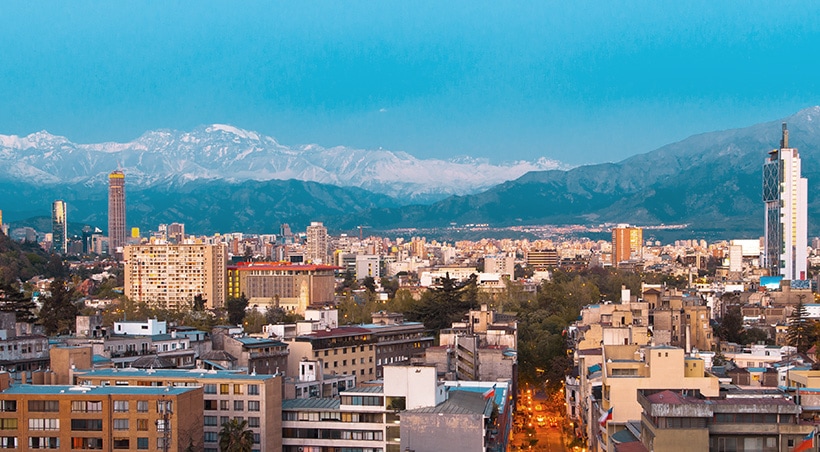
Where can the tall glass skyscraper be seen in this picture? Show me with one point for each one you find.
(59, 227)
(116, 211)
(785, 194)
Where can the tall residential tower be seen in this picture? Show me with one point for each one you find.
(316, 243)
(59, 228)
(785, 194)
(116, 211)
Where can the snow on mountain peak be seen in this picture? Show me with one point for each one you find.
(246, 134)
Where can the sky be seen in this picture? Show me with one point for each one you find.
(579, 82)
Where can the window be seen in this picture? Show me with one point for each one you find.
(8, 442)
(253, 405)
(49, 442)
(161, 443)
(86, 406)
(142, 406)
(209, 389)
(253, 389)
(210, 421)
(223, 405)
(211, 437)
(8, 423)
(223, 388)
(238, 405)
(210, 404)
(142, 443)
(160, 425)
(224, 420)
(120, 424)
(86, 443)
(142, 425)
(94, 425)
(256, 438)
(121, 443)
(43, 424)
(120, 406)
(8, 406)
(253, 422)
(165, 405)
(42, 406)
(237, 389)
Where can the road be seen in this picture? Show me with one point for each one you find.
(547, 437)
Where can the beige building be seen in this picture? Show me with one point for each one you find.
(225, 395)
(293, 287)
(627, 244)
(345, 351)
(170, 276)
(317, 243)
(628, 368)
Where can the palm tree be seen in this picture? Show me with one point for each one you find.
(235, 437)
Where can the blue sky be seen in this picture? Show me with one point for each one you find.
(580, 82)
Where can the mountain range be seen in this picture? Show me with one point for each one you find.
(220, 178)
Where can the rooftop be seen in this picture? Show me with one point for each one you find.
(95, 390)
(171, 374)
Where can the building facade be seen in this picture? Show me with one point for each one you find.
(317, 243)
(281, 284)
(59, 228)
(785, 195)
(116, 211)
(170, 276)
(627, 243)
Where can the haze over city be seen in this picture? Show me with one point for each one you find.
(575, 82)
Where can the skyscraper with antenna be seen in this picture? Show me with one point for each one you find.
(785, 194)
(116, 211)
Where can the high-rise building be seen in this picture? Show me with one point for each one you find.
(627, 243)
(170, 276)
(176, 232)
(785, 195)
(59, 229)
(316, 243)
(116, 211)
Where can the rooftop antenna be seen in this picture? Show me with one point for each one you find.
(784, 142)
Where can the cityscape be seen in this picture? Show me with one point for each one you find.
(423, 227)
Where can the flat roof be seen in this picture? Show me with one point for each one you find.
(314, 403)
(96, 390)
(131, 372)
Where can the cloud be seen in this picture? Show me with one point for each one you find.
(382, 110)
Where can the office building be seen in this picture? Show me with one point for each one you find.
(347, 350)
(116, 211)
(785, 195)
(170, 276)
(281, 284)
(59, 228)
(316, 243)
(627, 244)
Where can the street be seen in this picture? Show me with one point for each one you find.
(536, 427)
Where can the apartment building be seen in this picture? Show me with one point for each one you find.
(170, 276)
(64, 417)
(225, 395)
(396, 340)
(345, 350)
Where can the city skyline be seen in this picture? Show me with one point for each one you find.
(502, 82)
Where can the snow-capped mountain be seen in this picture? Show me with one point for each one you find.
(222, 152)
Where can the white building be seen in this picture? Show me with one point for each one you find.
(785, 193)
(149, 327)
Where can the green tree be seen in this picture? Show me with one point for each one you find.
(369, 283)
(439, 307)
(58, 313)
(236, 309)
(14, 300)
(235, 436)
(254, 321)
(730, 327)
(801, 332)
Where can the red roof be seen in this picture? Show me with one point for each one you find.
(242, 266)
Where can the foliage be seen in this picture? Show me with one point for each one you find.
(254, 321)
(236, 309)
(440, 307)
(730, 327)
(59, 312)
(14, 300)
(278, 314)
(235, 436)
(355, 309)
(801, 333)
(20, 261)
(369, 283)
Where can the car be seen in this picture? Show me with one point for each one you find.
(540, 419)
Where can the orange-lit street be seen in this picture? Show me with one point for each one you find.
(538, 425)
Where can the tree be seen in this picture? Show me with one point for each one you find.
(236, 309)
(801, 332)
(235, 436)
(730, 328)
(16, 301)
(199, 303)
(369, 283)
(58, 313)
(254, 321)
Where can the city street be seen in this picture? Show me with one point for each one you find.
(536, 428)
